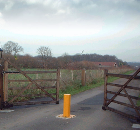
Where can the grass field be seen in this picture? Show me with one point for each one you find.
(70, 82)
(77, 88)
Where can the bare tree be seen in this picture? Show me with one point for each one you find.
(65, 60)
(45, 53)
(12, 48)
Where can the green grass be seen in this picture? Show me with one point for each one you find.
(79, 88)
(73, 87)
(75, 90)
(32, 92)
(138, 102)
(111, 79)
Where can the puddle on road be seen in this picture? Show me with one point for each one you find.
(136, 126)
(84, 108)
(6, 110)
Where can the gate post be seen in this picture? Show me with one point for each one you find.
(5, 82)
(105, 88)
(83, 77)
(57, 86)
(1, 88)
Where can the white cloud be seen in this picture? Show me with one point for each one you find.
(67, 29)
(93, 5)
(76, 1)
(2, 21)
(0, 14)
(42, 2)
(47, 2)
(9, 4)
(70, 22)
(57, 4)
(33, 1)
(61, 12)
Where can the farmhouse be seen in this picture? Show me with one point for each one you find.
(105, 64)
(90, 65)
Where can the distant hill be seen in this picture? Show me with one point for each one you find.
(91, 57)
(65, 61)
(134, 64)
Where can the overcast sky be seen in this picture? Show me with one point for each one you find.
(95, 26)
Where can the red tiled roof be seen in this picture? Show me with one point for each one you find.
(104, 63)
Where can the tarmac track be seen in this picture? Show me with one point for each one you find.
(87, 106)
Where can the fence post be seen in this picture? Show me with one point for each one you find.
(57, 86)
(1, 87)
(72, 75)
(36, 76)
(83, 77)
(105, 89)
(5, 81)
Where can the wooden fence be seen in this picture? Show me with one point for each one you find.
(6, 87)
(32, 84)
(123, 88)
(35, 84)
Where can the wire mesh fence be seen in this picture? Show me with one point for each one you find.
(17, 82)
(73, 77)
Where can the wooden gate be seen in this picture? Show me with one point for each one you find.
(122, 91)
(36, 82)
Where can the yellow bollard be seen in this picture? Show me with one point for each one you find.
(66, 106)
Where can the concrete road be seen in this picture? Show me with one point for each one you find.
(87, 107)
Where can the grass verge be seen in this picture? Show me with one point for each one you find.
(77, 88)
(138, 102)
